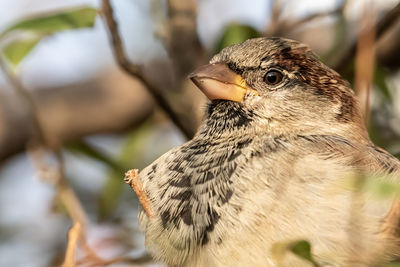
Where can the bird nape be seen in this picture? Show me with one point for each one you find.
(281, 141)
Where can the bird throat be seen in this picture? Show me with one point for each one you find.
(202, 173)
(223, 117)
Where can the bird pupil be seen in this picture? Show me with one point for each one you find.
(272, 77)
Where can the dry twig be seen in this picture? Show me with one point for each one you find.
(293, 25)
(73, 237)
(56, 176)
(136, 185)
(94, 111)
(365, 59)
(40, 143)
(136, 72)
(92, 262)
(284, 26)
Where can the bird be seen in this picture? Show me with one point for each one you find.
(277, 158)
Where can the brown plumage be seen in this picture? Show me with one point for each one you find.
(281, 138)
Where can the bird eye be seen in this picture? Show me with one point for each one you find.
(273, 77)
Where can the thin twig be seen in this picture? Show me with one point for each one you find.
(39, 145)
(136, 71)
(365, 59)
(73, 237)
(121, 260)
(94, 261)
(383, 25)
(279, 26)
(91, 259)
(38, 136)
(131, 178)
(294, 25)
(39, 139)
(56, 175)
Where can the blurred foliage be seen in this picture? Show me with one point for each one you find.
(340, 29)
(135, 144)
(381, 187)
(133, 148)
(15, 51)
(380, 131)
(88, 150)
(113, 187)
(29, 32)
(301, 248)
(236, 33)
(44, 25)
(380, 82)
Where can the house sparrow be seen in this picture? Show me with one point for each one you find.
(282, 134)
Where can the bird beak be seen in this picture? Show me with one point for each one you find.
(217, 81)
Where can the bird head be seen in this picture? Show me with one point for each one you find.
(278, 86)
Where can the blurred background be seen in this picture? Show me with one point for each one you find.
(77, 110)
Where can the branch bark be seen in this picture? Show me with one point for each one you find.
(131, 178)
(365, 60)
(73, 237)
(136, 71)
(182, 41)
(109, 104)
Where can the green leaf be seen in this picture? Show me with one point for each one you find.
(111, 194)
(45, 24)
(236, 33)
(42, 25)
(378, 186)
(114, 184)
(17, 50)
(131, 156)
(300, 248)
(381, 188)
(392, 264)
(94, 153)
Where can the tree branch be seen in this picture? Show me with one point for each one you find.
(110, 104)
(365, 60)
(383, 25)
(73, 237)
(285, 26)
(293, 25)
(131, 178)
(136, 72)
(39, 142)
(182, 42)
